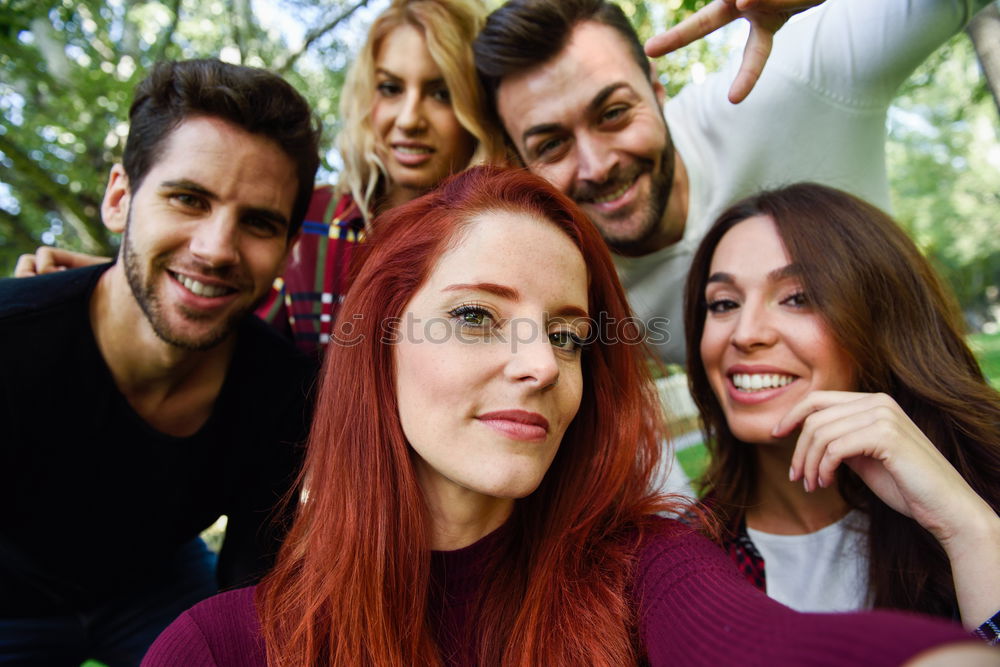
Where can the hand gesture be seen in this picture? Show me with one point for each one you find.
(872, 435)
(765, 16)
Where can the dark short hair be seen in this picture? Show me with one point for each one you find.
(524, 33)
(256, 100)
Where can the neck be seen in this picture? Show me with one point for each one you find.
(676, 213)
(397, 196)
(460, 517)
(171, 388)
(784, 508)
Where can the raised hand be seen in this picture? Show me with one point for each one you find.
(765, 16)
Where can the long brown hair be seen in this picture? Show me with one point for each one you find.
(351, 583)
(884, 304)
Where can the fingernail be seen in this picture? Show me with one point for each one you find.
(791, 474)
(805, 484)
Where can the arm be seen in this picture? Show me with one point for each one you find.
(182, 644)
(872, 435)
(695, 608)
(765, 16)
(48, 259)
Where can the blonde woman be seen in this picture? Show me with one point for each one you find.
(411, 109)
(411, 117)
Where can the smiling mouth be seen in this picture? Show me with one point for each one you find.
(751, 382)
(413, 150)
(201, 289)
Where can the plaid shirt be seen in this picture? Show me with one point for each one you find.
(304, 300)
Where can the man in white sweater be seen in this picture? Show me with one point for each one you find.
(580, 104)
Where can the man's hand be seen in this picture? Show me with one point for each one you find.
(47, 259)
(765, 16)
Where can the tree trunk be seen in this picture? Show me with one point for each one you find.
(984, 29)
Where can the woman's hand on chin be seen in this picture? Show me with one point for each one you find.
(873, 436)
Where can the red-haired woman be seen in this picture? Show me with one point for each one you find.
(478, 476)
(855, 443)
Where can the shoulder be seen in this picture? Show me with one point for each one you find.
(222, 630)
(27, 296)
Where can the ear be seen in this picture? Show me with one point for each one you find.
(654, 80)
(117, 198)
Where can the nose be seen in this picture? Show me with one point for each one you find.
(214, 240)
(411, 113)
(754, 327)
(595, 159)
(532, 357)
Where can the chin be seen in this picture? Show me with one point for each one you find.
(754, 432)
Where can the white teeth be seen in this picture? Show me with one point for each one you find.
(413, 150)
(611, 196)
(758, 381)
(201, 289)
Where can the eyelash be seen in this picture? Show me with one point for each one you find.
(576, 343)
(797, 299)
(471, 309)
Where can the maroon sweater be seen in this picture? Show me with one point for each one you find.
(694, 609)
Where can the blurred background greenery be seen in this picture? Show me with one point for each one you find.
(67, 69)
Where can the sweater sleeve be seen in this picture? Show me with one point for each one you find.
(181, 644)
(696, 609)
(222, 631)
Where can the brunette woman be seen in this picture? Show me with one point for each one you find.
(855, 445)
(478, 476)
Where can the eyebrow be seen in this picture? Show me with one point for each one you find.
(392, 75)
(596, 103)
(511, 294)
(191, 186)
(787, 271)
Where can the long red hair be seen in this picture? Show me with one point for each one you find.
(351, 583)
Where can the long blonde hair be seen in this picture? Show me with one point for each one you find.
(448, 26)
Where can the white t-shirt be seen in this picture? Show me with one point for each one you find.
(822, 571)
(818, 113)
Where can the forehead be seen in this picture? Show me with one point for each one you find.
(228, 161)
(753, 245)
(510, 248)
(596, 56)
(403, 50)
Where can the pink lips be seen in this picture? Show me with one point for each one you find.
(411, 159)
(517, 424)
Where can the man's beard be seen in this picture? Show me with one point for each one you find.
(145, 295)
(640, 241)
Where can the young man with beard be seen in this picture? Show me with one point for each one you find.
(141, 400)
(578, 100)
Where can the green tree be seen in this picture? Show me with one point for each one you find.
(68, 72)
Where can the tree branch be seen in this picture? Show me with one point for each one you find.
(984, 30)
(160, 50)
(13, 227)
(73, 209)
(314, 35)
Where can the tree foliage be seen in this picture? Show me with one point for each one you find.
(69, 67)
